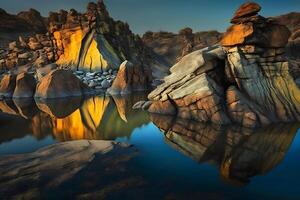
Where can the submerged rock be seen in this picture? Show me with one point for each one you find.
(60, 83)
(55, 165)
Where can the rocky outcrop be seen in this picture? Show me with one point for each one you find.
(193, 88)
(7, 85)
(58, 84)
(169, 48)
(90, 41)
(131, 78)
(245, 81)
(25, 86)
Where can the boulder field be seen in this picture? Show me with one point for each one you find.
(91, 41)
(245, 80)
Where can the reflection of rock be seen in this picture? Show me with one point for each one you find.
(123, 118)
(239, 153)
(96, 118)
(59, 108)
(75, 118)
(26, 107)
(259, 153)
(58, 84)
(13, 127)
(124, 104)
(83, 122)
(32, 175)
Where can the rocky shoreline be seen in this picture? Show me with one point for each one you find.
(245, 80)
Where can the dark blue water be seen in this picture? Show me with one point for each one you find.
(172, 174)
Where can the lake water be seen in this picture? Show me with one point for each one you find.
(176, 159)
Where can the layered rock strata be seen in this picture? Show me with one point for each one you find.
(246, 80)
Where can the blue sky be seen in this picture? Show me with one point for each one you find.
(155, 15)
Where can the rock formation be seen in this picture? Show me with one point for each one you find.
(58, 84)
(7, 85)
(25, 86)
(84, 42)
(131, 78)
(89, 41)
(245, 81)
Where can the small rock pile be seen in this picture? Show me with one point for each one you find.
(97, 80)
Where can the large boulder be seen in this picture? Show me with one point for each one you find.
(131, 78)
(25, 86)
(7, 85)
(44, 70)
(190, 91)
(58, 84)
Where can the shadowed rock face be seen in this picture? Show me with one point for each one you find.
(239, 153)
(245, 81)
(47, 169)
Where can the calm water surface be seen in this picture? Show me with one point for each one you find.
(176, 159)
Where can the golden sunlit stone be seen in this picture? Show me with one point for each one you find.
(85, 50)
(236, 34)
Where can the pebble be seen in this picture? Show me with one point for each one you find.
(97, 80)
(105, 84)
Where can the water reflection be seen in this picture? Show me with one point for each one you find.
(238, 153)
(95, 118)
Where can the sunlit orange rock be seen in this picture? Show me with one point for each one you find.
(246, 10)
(85, 50)
(236, 34)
